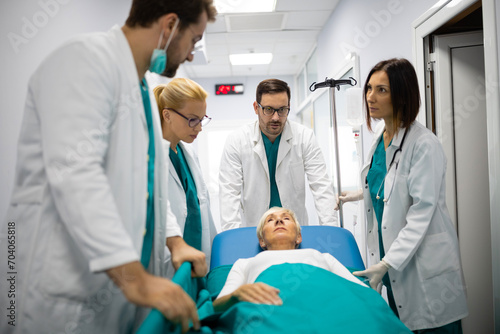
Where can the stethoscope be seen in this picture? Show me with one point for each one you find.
(388, 169)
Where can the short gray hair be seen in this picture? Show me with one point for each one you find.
(272, 210)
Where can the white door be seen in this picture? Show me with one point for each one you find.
(460, 93)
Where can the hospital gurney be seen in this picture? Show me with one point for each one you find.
(244, 317)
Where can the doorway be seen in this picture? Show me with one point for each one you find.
(461, 17)
(460, 123)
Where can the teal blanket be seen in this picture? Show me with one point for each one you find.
(314, 301)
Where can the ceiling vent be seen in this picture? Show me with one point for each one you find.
(255, 22)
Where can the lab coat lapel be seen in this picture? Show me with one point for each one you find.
(160, 190)
(258, 147)
(395, 144)
(285, 146)
(364, 172)
(197, 177)
(389, 154)
(129, 101)
(143, 114)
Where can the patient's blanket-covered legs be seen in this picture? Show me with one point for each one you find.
(314, 301)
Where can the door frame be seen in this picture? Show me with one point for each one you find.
(422, 27)
(444, 122)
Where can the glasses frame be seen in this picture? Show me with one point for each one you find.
(193, 122)
(274, 110)
(194, 41)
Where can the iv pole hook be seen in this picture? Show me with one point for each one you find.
(333, 83)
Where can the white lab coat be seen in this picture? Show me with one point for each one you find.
(178, 204)
(79, 199)
(244, 176)
(420, 241)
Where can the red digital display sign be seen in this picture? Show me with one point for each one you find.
(229, 89)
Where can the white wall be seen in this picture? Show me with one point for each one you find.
(375, 30)
(30, 30)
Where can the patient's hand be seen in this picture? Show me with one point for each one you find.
(258, 293)
(182, 252)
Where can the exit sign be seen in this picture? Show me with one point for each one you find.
(229, 89)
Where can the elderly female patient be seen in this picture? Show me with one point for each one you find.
(281, 287)
(279, 235)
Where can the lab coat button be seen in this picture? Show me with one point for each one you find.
(385, 227)
(369, 210)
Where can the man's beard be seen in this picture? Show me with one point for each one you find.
(170, 70)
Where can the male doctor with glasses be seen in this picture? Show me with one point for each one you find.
(263, 165)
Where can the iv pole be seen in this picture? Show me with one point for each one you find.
(332, 84)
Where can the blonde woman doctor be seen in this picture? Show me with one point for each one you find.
(182, 108)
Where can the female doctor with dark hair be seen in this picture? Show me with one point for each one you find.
(412, 243)
(182, 106)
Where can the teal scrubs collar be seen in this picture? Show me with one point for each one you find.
(272, 158)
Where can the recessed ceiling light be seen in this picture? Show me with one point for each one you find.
(251, 58)
(253, 6)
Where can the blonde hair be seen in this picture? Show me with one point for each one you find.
(272, 210)
(176, 93)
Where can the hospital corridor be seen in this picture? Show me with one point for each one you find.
(250, 166)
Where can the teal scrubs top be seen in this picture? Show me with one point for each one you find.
(272, 158)
(147, 245)
(192, 226)
(375, 179)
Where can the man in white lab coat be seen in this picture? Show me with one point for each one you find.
(264, 164)
(89, 214)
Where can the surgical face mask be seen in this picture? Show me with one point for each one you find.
(159, 57)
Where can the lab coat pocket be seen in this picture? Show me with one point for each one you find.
(66, 272)
(437, 255)
(297, 173)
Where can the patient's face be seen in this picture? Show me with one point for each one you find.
(280, 232)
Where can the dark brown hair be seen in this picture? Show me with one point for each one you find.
(144, 12)
(272, 86)
(405, 95)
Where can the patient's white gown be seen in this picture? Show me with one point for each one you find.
(245, 271)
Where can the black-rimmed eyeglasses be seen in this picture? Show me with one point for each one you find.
(269, 111)
(193, 122)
